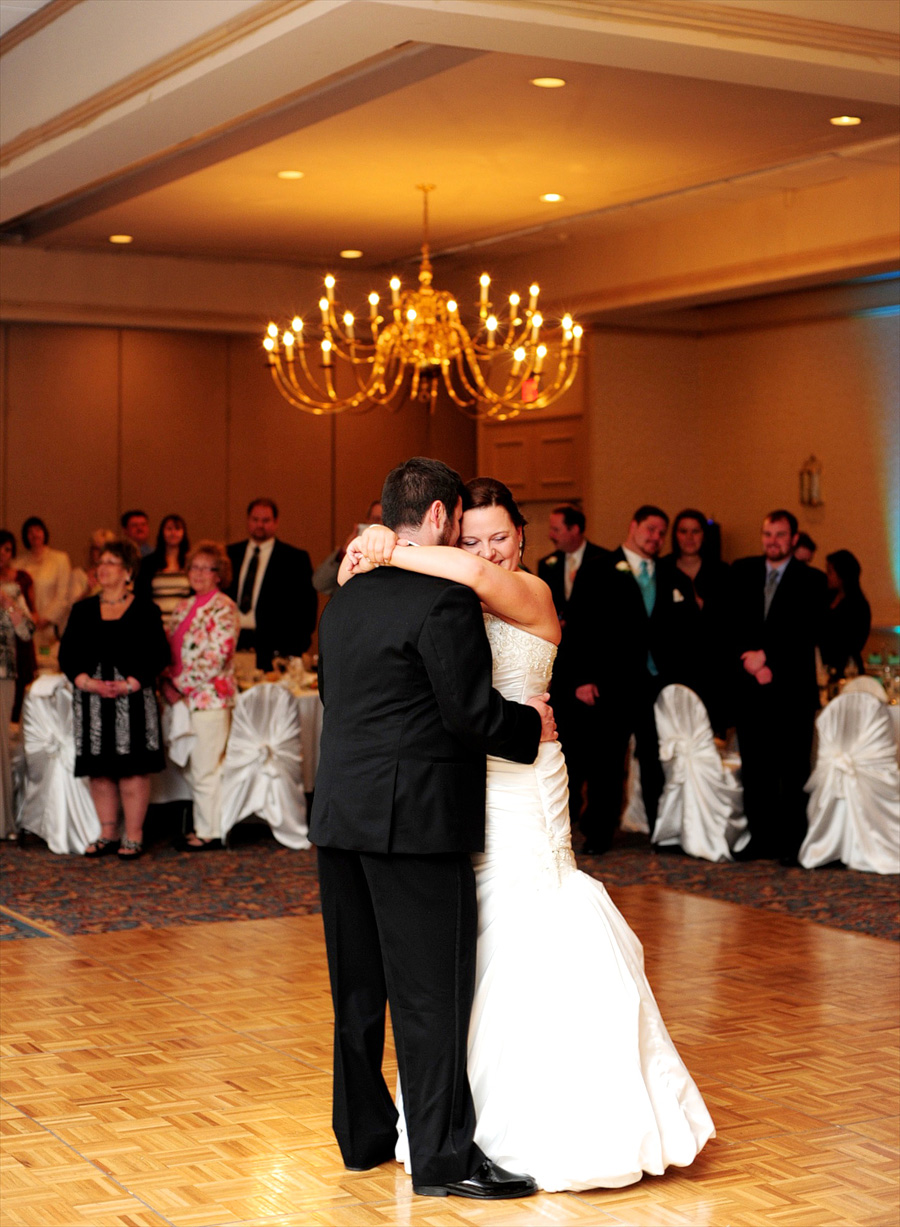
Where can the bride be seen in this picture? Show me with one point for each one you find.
(574, 1076)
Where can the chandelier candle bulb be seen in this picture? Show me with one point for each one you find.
(329, 288)
(536, 322)
(323, 307)
(373, 305)
(533, 292)
(541, 355)
(395, 291)
(577, 331)
(348, 323)
(326, 352)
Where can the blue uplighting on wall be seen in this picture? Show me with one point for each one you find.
(869, 313)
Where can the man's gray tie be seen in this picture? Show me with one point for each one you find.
(771, 585)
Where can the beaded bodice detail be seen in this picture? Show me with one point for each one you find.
(523, 663)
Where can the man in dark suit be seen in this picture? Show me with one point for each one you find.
(563, 571)
(775, 613)
(272, 586)
(405, 676)
(618, 629)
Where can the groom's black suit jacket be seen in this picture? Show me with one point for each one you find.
(405, 676)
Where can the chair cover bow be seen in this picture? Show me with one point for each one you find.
(263, 765)
(854, 804)
(701, 807)
(55, 805)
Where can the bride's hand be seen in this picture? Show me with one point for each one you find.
(353, 563)
(377, 543)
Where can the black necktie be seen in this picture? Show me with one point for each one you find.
(245, 602)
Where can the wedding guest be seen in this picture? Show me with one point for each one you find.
(113, 650)
(775, 613)
(16, 626)
(163, 574)
(272, 587)
(693, 649)
(326, 573)
(18, 582)
(51, 573)
(564, 572)
(805, 550)
(84, 580)
(203, 634)
(136, 527)
(618, 630)
(848, 617)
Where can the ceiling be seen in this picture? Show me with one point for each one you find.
(618, 138)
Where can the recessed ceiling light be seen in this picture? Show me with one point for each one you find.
(845, 121)
(548, 82)
(290, 174)
(350, 253)
(551, 198)
(121, 238)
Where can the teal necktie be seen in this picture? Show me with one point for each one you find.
(647, 585)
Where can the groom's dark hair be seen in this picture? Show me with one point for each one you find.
(411, 488)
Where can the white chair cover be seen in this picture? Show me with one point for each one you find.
(263, 771)
(854, 803)
(866, 685)
(55, 805)
(169, 785)
(702, 806)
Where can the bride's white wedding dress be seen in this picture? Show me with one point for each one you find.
(574, 1076)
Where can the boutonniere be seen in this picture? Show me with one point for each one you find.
(677, 596)
(551, 561)
(623, 566)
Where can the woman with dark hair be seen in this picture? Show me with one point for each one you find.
(692, 648)
(163, 574)
(51, 574)
(848, 617)
(113, 650)
(17, 583)
(559, 972)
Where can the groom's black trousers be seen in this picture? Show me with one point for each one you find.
(402, 929)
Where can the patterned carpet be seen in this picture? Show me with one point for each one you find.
(258, 878)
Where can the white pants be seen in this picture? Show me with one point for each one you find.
(204, 769)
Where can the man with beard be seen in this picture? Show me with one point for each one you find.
(775, 615)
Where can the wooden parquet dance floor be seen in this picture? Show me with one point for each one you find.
(181, 1076)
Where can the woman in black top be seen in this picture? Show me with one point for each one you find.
(113, 649)
(694, 651)
(848, 618)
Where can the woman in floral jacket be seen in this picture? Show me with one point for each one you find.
(203, 633)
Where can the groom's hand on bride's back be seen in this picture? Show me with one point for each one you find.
(548, 723)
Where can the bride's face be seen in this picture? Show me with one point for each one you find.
(491, 534)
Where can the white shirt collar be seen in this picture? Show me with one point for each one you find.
(636, 562)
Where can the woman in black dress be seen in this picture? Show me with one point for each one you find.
(694, 652)
(113, 649)
(848, 617)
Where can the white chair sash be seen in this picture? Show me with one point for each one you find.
(178, 733)
(55, 805)
(701, 807)
(263, 772)
(853, 812)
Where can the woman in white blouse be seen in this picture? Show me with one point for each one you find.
(51, 573)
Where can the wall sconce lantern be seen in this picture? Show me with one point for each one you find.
(811, 483)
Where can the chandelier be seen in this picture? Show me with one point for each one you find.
(418, 346)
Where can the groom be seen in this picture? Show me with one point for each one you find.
(405, 676)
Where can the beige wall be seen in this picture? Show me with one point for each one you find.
(95, 420)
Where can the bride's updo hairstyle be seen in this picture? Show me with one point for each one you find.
(489, 492)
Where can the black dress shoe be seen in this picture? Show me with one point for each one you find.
(788, 862)
(488, 1183)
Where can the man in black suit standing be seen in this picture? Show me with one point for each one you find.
(619, 628)
(564, 573)
(775, 611)
(405, 676)
(272, 586)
